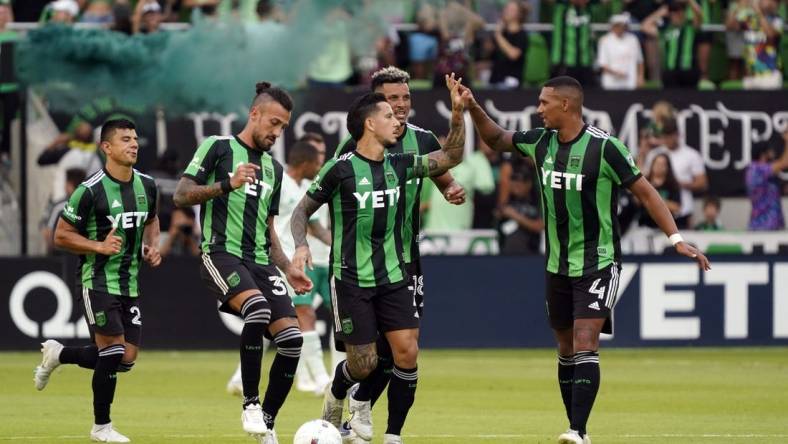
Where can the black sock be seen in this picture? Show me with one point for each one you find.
(342, 381)
(402, 393)
(584, 389)
(280, 378)
(84, 357)
(371, 388)
(256, 314)
(566, 376)
(104, 381)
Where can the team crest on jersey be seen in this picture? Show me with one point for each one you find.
(233, 279)
(390, 177)
(101, 319)
(269, 173)
(141, 199)
(574, 162)
(347, 326)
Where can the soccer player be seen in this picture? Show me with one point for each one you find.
(580, 169)
(238, 185)
(369, 283)
(110, 222)
(305, 158)
(393, 84)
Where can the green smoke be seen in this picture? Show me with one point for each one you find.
(212, 66)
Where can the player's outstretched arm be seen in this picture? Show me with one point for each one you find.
(68, 238)
(658, 211)
(450, 154)
(298, 226)
(493, 135)
(188, 192)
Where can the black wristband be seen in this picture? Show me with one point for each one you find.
(226, 187)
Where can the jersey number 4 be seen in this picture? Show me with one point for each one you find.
(600, 291)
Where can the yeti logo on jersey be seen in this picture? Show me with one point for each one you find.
(128, 219)
(257, 188)
(380, 199)
(562, 181)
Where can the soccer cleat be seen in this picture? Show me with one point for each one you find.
(269, 438)
(392, 439)
(252, 420)
(105, 433)
(586, 439)
(570, 437)
(348, 435)
(332, 408)
(50, 349)
(361, 419)
(235, 385)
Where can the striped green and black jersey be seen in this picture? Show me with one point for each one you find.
(678, 47)
(414, 140)
(363, 198)
(237, 222)
(579, 183)
(571, 41)
(100, 203)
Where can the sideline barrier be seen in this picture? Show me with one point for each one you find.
(471, 302)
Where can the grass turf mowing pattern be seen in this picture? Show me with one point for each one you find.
(464, 396)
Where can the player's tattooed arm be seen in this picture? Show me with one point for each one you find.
(361, 360)
(300, 220)
(189, 193)
(450, 154)
(493, 135)
(317, 229)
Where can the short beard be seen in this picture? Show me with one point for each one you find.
(261, 145)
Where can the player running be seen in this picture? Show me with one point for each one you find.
(238, 185)
(110, 222)
(580, 169)
(369, 283)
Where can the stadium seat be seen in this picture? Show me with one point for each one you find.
(724, 249)
(420, 84)
(731, 85)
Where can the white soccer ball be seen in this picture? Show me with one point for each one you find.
(317, 432)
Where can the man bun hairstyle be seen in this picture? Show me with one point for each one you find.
(265, 91)
(361, 108)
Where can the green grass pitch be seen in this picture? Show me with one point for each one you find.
(688, 395)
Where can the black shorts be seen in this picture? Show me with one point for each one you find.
(592, 296)
(111, 315)
(416, 284)
(361, 313)
(228, 275)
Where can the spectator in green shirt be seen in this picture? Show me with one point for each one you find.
(711, 215)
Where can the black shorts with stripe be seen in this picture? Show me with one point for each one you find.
(361, 314)
(592, 296)
(228, 275)
(416, 283)
(112, 315)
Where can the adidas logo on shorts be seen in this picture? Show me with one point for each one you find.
(594, 305)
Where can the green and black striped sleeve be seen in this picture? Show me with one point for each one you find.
(204, 162)
(78, 208)
(326, 183)
(525, 141)
(621, 167)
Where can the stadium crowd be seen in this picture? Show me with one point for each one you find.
(485, 41)
(646, 43)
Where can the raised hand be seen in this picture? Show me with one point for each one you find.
(454, 86)
(111, 244)
(688, 250)
(244, 173)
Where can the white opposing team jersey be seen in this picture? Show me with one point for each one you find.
(291, 194)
